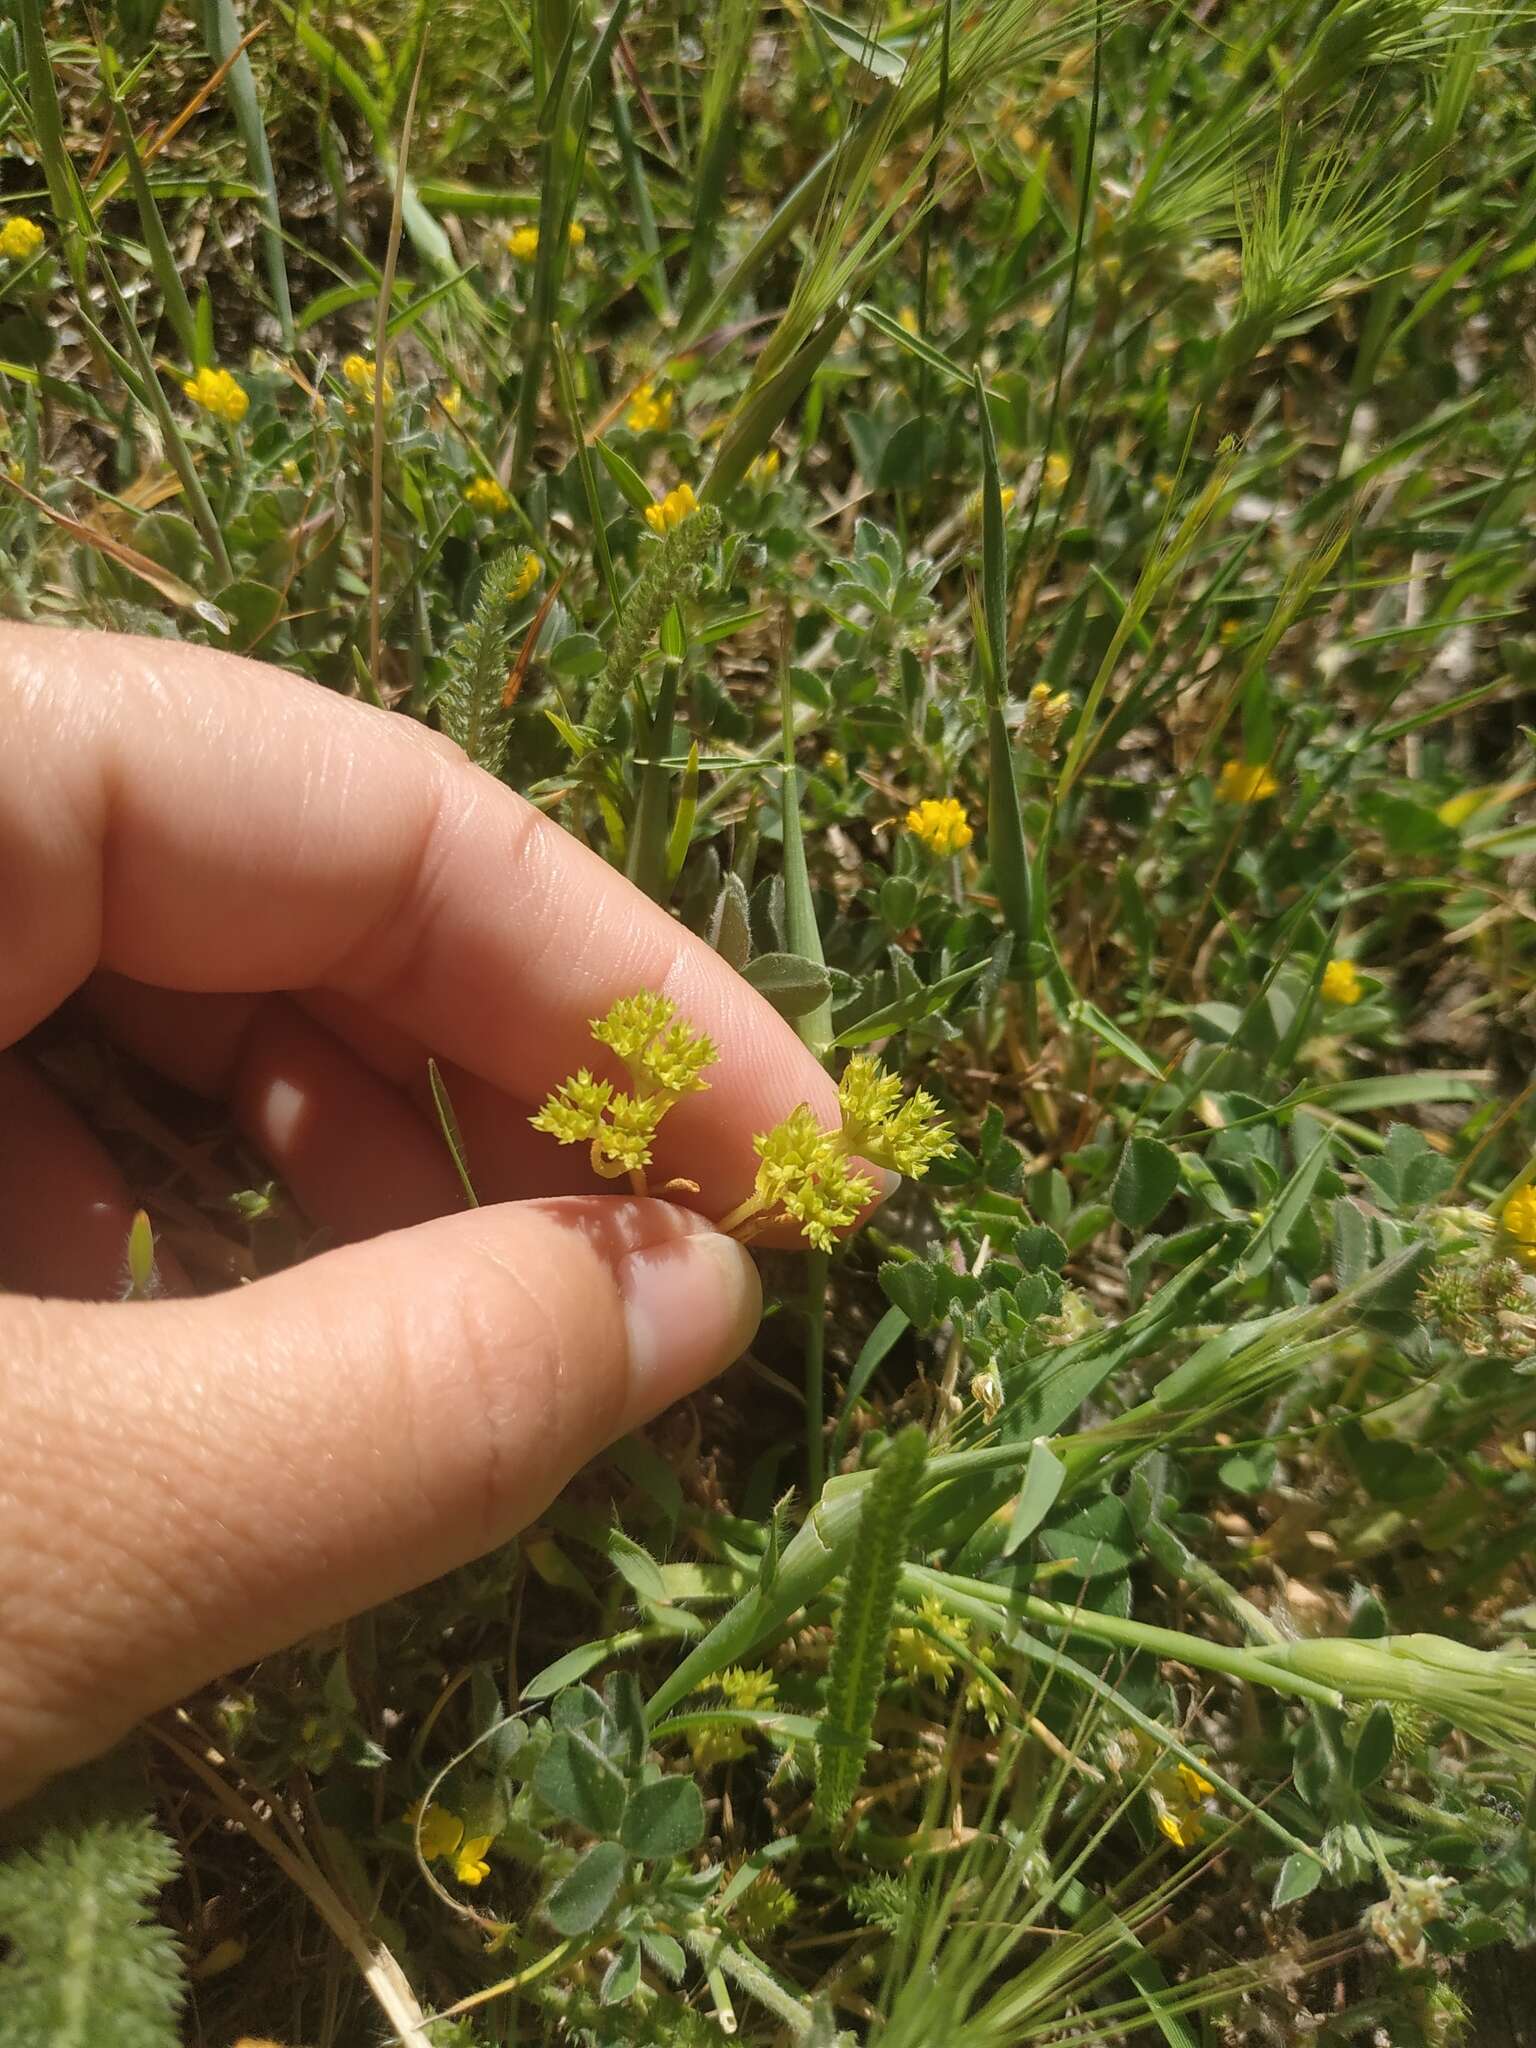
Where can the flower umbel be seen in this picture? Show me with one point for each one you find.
(20, 239)
(665, 1058)
(807, 1175)
(1342, 983)
(940, 824)
(217, 392)
(1244, 782)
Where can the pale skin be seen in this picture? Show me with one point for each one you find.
(285, 901)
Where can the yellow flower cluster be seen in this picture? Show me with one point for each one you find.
(665, 1059)
(523, 243)
(752, 1689)
(940, 824)
(528, 573)
(762, 469)
(927, 1651)
(484, 494)
(1518, 1219)
(441, 1838)
(673, 509)
(650, 410)
(20, 239)
(1244, 782)
(1057, 470)
(1341, 983)
(362, 373)
(217, 392)
(1178, 1797)
(806, 1175)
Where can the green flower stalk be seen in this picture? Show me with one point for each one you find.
(1489, 1694)
(671, 573)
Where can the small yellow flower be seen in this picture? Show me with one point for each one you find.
(577, 235)
(1196, 1785)
(523, 243)
(762, 469)
(1177, 1795)
(452, 401)
(1341, 982)
(20, 239)
(834, 764)
(939, 823)
(920, 1652)
(1057, 470)
(804, 1173)
(717, 1745)
(673, 509)
(470, 1865)
(1230, 628)
(907, 318)
(1183, 1828)
(650, 411)
(1518, 1218)
(362, 374)
(439, 1832)
(484, 494)
(749, 1689)
(529, 571)
(1244, 782)
(217, 392)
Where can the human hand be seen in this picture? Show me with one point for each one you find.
(285, 900)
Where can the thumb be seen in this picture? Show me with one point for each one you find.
(188, 1485)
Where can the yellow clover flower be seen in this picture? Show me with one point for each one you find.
(1518, 1219)
(672, 510)
(438, 1832)
(1244, 782)
(217, 392)
(484, 494)
(1177, 1796)
(939, 823)
(529, 571)
(20, 239)
(523, 243)
(362, 373)
(470, 1865)
(650, 411)
(1057, 470)
(1342, 983)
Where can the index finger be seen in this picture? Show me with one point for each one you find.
(206, 823)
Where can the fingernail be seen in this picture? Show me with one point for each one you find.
(691, 1307)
